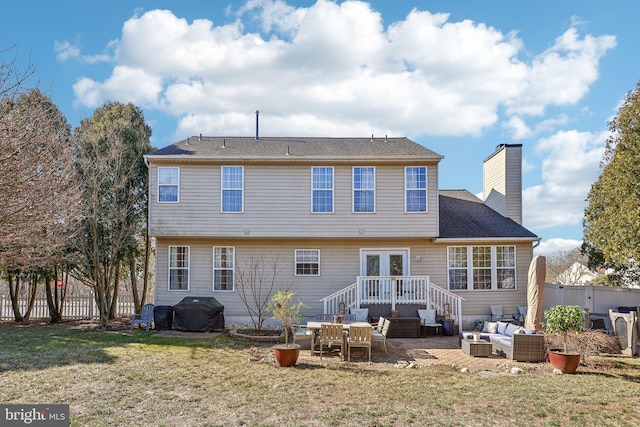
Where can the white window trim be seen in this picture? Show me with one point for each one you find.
(169, 268)
(167, 185)
(353, 190)
(494, 269)
(333, 193)
(222, 188)
(426, 190)
(295, 263)
(233, 269)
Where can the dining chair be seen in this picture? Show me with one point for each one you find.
(359, 336)
(382, 334)
(330, 335)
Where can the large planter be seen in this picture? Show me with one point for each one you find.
(286, 354)
(566, 362)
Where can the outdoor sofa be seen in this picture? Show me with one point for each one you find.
(515, 342)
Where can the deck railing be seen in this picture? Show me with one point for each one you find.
(394, 290)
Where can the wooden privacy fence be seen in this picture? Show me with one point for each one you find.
(76, 307)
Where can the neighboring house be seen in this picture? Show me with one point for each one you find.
(577, 274)
(358, 221)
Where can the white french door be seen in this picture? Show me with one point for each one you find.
(386, 262)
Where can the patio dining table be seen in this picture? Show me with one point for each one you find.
(315, 326)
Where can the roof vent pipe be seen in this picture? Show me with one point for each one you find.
(288, 152)
(224, 143)
(371, 137)
(257, 127)
(200, 137)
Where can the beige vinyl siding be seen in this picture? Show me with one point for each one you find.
(502, 185)
(494, 187)
(339, 267)
(277, 203)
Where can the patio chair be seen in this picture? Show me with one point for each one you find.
(144, 318)
(332, 335)
(377, 326)
(428, 320)
(497, 314)
(361, 314)
(522, 312)
(381, 336)
(359, 336)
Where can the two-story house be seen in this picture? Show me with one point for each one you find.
(350, 222)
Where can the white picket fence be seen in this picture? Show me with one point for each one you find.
(76, 307)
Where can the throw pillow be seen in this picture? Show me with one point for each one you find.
(502, 327)
(490, 327)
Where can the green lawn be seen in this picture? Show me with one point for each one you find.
(122, 379)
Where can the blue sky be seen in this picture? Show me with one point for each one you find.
(459, 77)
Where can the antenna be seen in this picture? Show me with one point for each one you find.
(257, 123)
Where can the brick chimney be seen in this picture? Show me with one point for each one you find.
(502, 181)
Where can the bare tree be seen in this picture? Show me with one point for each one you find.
(559, 262)
(39, 195)
(255, 282)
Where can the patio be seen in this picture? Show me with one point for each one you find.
(419, 353)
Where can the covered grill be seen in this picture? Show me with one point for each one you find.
(198, 314)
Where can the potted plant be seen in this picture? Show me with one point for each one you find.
(562, 319)
(286, 311)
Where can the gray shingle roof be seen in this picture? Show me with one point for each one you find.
(297, 148)
(463, 215)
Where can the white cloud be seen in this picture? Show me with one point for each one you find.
(552, 246)
(65, 50)
(517, 128)
(134, 85)
(336, 68)
(569, 168)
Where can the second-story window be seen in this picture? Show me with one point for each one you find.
(168, 184)
(415, 185)
(364, 184)
(322, 189)
(232, 189)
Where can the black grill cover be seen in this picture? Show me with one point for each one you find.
(198, 314)
(163, 317)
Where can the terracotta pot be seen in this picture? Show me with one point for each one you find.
(566, 362)
(394, 314)
(337, 318)
(286, 355)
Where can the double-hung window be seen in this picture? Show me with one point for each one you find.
(481, 267)
(168, 184)
(322, 189)
(223, 268)
(415, 186)
(364, 184)
(307, 262)
(178, 268)
(458, 268)
(232, 189)
(506, 267)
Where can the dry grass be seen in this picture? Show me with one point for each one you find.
(117, 378)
